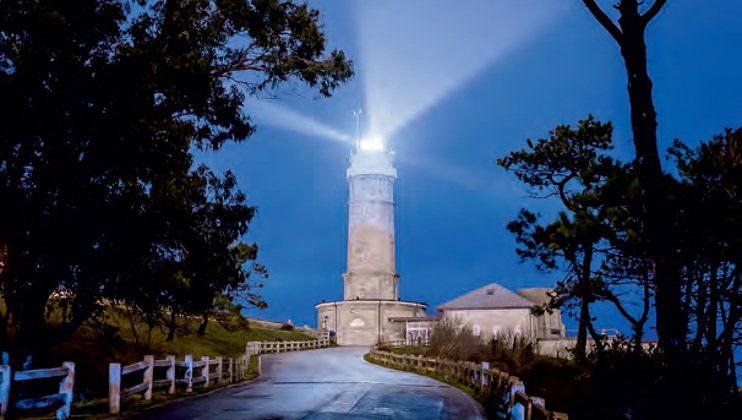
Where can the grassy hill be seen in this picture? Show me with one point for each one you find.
(114, 337)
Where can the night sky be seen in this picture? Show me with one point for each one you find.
(453, 202)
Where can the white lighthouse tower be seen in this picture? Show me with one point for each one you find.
(371, 282)
(371, 273)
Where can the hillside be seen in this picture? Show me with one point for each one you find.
(112, 339)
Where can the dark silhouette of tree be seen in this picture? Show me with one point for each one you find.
(711, 202)
(103, 104)
(599, 241)
(563, 166)
(658, 227)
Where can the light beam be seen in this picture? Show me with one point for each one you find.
(266, 112)
(414, 53)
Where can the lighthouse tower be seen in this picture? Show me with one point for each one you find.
(371, 303)
(371, 273)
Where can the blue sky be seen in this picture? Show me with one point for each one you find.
(539, 66)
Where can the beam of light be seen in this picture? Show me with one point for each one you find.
(414, 53)
(269, 113)
(461, 176)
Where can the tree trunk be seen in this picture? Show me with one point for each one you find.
(171, 326)
(204, 324)
(581, 344)
(658, 220)
(584, 273)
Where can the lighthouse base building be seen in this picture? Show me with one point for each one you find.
(368, 321)
(371, 284)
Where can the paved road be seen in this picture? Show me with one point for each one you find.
(327, 384)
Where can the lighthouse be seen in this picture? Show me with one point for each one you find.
(371, 273)
(371, 300)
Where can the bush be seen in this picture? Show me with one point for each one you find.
(450, 339)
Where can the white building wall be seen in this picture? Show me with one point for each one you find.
(496, 321)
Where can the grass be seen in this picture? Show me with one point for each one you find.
(410, 350)
(92, 348)
(112, 338)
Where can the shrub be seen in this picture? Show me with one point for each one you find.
(450, 339)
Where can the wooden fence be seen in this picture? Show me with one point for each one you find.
(484, 380)
(210, 372)
(156, 374)
(62, 399)
(260, 347)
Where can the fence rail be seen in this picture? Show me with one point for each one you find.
(208, 371)
(62, 399)
(484, 380)
(156, 374)
(260, 347)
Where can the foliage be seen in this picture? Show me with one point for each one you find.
(600, 243)
(593, 238)
(452, 339)
(711, 203)
(104, 104)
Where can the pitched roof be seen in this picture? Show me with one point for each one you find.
(491, 296)
(539, 296)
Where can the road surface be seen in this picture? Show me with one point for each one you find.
(333, 383)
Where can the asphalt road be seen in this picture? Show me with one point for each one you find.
(324, 384)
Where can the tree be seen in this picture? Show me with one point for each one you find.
(563, 166)
(711, 203)
(597, 240)
(658, 227)
(103, 104)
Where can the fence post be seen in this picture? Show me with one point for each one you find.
(170, 374)
(149, 375)
(231, 370)
(189, 373)
(516, 386)
(219, 364)
(205, 371)
(486, 374)
(66, 388)
(5, 379)
(114, 388)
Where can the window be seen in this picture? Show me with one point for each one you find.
(496, 330)
(357, 323)
(517, 330)
(476, 330)
(490, 292)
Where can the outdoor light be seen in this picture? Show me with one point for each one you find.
(371, 144)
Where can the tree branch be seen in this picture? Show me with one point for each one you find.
(604, 20)
(653, 10)
(617, 303)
